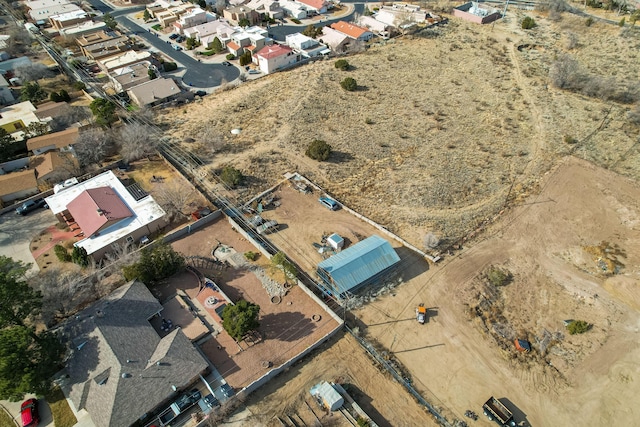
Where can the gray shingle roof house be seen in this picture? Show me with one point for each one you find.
(120, 369)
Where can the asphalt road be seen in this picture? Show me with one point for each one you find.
(280, 33)
(16, 232)
(198, 74)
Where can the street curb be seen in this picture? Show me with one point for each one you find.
(9, 414)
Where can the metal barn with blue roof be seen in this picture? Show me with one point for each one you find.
(357, 266)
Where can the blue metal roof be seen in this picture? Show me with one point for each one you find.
(357, 264)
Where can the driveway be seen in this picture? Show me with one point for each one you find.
(13, 408)
(16, 232)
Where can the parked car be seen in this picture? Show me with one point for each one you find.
(186, 401)
(29, 413)
(176, 47)
(201, 93)
(227, 63)
(211, 401)
(174, 36)
(252, 71)
(329, 203)
(227, 390)
(31, 205)
(180, 39)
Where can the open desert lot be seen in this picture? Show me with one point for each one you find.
(548, 244)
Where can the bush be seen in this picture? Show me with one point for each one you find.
(79, 256)
(170, 66)
(349, 84)
(588, 22)
(251, 256)
(318, 150)
(156, 263)
(568, 139)
(79, 86)
(528, 23)
(498, 277)
(62, 253)
(231, 176)
(230, 57)
(342, 64)
(245, 58)
(578, 327)
(295, 20)
(621, 23)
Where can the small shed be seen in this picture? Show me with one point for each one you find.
(335, 241)
(328, 395)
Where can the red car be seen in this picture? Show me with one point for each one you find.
(29, 413)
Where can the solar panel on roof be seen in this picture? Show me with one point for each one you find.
(137, 192)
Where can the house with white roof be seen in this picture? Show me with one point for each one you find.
(276, 57)
(252, 39)
(68, 19)
(107, 213)
(373, 25)
(339, 42)
(206, 33)
(111, 63)
(43, 14)
(305, 45)
(270, 8)
(293, 9)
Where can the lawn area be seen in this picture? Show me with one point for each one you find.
(6, 420)
(157, 27)
(62, 414)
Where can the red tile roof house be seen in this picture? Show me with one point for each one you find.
(353, 31)
(318, 6)
(276, 57)
(107, 213)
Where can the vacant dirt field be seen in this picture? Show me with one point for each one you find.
(446, 126)
(547, 244)
(341, 360)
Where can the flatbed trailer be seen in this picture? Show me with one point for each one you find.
(496, 411)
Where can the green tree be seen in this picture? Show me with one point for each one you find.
(31, 91)
(104, 111)
(156, 263)
(151, 73)
(349, 84)
(312, 31)
(230, 57)
(244, 22)
(79, 256)
(109, 21)
(528, 23)
(621, 23)
(578, 327)
(240, 318)
(61, 253)
(170, 66)
(231, 176)
(28, 359)
(342, 64)
(65, 95)
(191, 43)
(279, 260)
(318, 150)
(216, 45)
(202, 4)
(146, 16)
(245, 58)
(9, 147)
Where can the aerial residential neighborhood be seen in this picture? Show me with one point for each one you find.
(319, 213)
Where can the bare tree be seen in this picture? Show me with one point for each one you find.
(565, 73)
(92, 146)
(136, 141)
(176, 199)
(74, 114)
(19, 42)
(404, 20)
(33, 72)
(57, 292)
(430, 241)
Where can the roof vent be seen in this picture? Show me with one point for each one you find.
(99, 211)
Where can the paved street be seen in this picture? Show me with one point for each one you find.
(198, 74)
(16, 232)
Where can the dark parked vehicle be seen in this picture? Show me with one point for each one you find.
(227, 390)
(31, 205)
(29, 413)
(187, 400)
(227, 63)
(181, 39)
(174, 36)
(201, 93)
(211, 401)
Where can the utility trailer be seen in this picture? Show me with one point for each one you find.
(496, 411)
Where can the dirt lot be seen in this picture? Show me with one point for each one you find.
(383, 399)
(547, 245)
(473, 124)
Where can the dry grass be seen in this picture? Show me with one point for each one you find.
(62, 414)
(443, 131)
